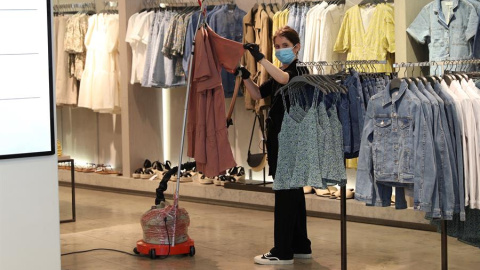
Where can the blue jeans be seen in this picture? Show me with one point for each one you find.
(383, 195)
(361, 103)
(354, 111)
(344, 116)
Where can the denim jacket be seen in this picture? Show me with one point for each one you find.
(448, 38)
(395, 148)
(228, 24)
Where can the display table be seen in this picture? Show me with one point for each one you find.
(67, 159)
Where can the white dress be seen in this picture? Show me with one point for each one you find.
(65, 86)
(100, 87)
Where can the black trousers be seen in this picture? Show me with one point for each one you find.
(290, 224)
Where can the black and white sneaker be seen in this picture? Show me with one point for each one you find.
(269, 259)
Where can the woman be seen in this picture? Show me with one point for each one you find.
(290, 229)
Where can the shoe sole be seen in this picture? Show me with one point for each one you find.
(302, 256)
(203, 182)
(267, 262)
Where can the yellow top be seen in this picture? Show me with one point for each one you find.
(375, 42)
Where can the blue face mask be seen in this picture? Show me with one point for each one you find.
(286, 55)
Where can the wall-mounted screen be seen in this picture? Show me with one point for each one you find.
(26, 79)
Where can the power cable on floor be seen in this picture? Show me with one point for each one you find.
(99, 249)
(121, 251)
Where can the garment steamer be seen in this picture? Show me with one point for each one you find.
(162, 214)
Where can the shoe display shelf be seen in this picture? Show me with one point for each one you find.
(211, 194)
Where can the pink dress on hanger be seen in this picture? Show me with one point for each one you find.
(206, 127)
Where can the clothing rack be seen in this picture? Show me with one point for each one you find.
(447, 63)
(312, 1)
(443, 64)
(112, 5)
(341, 63)
(74, 8)
(343, 189)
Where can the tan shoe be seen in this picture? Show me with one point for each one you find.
(307, 190)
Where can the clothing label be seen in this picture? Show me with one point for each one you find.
(26, 91)
(447, 8)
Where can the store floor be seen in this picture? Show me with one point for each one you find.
(229, 238)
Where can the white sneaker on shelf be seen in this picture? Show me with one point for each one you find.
(217, 181)
(205, 180)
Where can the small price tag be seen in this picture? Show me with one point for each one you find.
(153, 177)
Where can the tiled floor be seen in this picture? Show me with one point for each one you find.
(229, 238)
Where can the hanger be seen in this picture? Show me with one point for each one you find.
(447, 77)
(405, 74)
(431, 79)
(435, 75)
(395, 82)
(369, 2)
(422, 77)
(414, 79)
(301, 80)
(329, 80)
(455, 73)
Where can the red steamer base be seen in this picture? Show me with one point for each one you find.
(152, 250)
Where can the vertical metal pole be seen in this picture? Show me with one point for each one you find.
(72, 175)
(263, 146)
(444, 246)
(343, 226)
(264, 177)
(182, 144)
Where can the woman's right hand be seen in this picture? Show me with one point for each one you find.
(243, 72)
(254, 50)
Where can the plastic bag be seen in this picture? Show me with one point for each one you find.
(155, 230)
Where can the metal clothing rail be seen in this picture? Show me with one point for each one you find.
(363, 65)
(341, 63)
(74, 7)
(110, 4)
(443, 64)
(436, 63)
(170, 3)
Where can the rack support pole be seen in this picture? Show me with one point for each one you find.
(444, 245)
(343, 226)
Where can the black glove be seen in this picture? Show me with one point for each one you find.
(254, 49)
(242, 71)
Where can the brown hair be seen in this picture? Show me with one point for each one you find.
(288, 33)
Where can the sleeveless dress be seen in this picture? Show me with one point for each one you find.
(310, 149)
(338, 174)
(287, 141)
(328, 151)
(307, 161)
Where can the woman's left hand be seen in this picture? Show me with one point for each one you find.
(254, 49)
